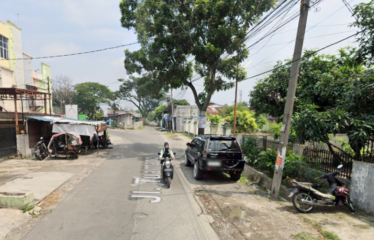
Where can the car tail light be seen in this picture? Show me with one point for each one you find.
(205, 149)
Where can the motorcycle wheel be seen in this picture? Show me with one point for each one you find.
(71, 155)
(38, 157)
(349, 204)
(168, 182)
(302, 207)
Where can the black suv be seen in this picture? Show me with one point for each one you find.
(214, 153)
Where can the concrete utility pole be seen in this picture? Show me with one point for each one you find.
(236, 105)
(285, 131)
(172, 109)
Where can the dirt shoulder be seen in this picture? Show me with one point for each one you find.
(242, 210)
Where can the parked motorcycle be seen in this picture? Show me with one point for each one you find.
(305, 196)
(104, 142)
(40, 150)
(167, 170)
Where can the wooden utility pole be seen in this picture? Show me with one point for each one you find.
(285, 131)
(49, 96)
(236, 105)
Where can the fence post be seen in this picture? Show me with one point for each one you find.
(265, 142)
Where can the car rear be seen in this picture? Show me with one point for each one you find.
(222, 154)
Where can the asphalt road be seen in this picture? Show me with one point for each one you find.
(114, 202)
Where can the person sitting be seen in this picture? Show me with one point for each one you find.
(166, 152)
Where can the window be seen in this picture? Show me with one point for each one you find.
(4, 47)
(223, 145)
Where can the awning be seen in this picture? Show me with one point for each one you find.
(100, 125)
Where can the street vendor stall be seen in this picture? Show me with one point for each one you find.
(87, 129)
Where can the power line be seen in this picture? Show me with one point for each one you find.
(306, 32)
(332, 44)
(73, 54)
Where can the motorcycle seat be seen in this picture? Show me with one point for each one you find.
(316, 185)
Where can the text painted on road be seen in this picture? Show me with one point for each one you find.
(151, 174)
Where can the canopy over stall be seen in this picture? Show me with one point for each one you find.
(82, 127)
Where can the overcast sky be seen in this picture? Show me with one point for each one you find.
(69, 26)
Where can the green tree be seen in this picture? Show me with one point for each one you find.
(245, 121)
(363, 14)
(173, 33)
(159, 110)
(334, 95)
(89, 97)
(181, 102)
(141, 93)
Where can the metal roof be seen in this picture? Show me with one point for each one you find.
(65, 120)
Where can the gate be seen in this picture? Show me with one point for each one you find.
(8, 141)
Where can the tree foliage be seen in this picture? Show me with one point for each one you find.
(62, 91)
(245, 121)
(89, 97)
(215, 119)
(334, 95)
(363, 14)
(183, 102)
(141, 93)
(172, 33)
(159, 110)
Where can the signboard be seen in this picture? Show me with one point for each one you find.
(82, 117)
(202, 121)
(71, 111)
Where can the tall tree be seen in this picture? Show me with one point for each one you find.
(141, 93)
(62, 91)
(173, 33)
(335, 94)
(89, 97)
(364, 13)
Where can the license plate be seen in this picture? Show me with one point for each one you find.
(214, 164)
(168, 170)
(293, 192)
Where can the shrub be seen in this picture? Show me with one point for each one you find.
(293, 163)
(214, 119)
(250, 148)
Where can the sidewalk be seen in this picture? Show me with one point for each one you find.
(47, 181)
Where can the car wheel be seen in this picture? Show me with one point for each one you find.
(197, 173)
(186, 160)
(235, 176)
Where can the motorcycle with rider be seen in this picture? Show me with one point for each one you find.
(167, 168)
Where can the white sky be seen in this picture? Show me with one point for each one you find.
(69, 26)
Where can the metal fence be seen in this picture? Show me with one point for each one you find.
(316, 158)
(325, 161)
(8, 141)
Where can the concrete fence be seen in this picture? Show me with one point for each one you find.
(191, 127)
(362, 188)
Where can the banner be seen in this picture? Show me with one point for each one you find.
(202, 121)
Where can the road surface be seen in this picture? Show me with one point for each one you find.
(115, 201)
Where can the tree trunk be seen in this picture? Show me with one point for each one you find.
(201, 131)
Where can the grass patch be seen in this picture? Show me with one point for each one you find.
(304, 236)
(244, 180)
(170, 134)
(27, 207)
(326, 235)
(188, 135)
(141, 128)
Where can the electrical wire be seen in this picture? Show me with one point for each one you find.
(332, 44)
(74, 54)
